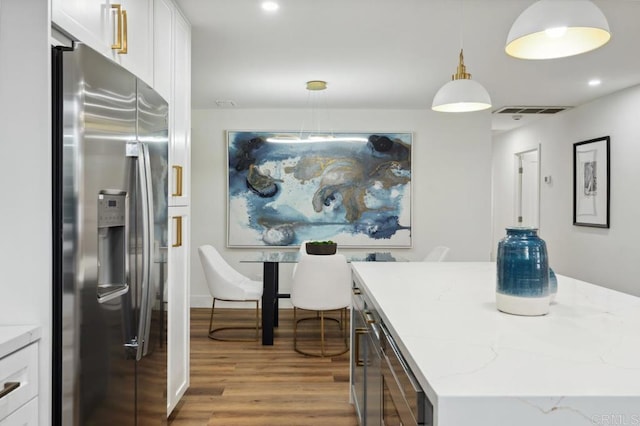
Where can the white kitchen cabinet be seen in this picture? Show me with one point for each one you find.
(163, 11)
(19, 375)
(27, 415)
(178, 315)
(90, 21)
(180, 114)
(100, 24)
(139, 36)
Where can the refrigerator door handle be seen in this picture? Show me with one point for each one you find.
(141, 151)
(108, 292)
(148, 238)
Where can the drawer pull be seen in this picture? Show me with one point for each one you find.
(359, 332)
(178, 186)
(178, 242)
(8, 388)
(369, 318)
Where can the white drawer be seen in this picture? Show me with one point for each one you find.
(19, 367)
(27, 415)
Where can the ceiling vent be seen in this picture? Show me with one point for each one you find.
(530, 110)
(225, 103)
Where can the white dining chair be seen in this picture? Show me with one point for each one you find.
(227, 284)
(302, 251)
(437, 254)
(321, 284)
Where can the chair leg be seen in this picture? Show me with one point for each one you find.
(322, 351)
(343, 315)
(213, 305)
(321, 317)
(257, 321)
(212, 331)
(295, 329)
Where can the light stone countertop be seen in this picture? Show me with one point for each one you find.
(578, 365)
(14, 337)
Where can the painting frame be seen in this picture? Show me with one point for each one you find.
(591, 182)
(244, 159)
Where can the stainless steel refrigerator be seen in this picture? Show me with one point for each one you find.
(110, 233)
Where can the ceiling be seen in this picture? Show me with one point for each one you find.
(392, 54)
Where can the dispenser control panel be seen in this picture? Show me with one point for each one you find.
(111, 210)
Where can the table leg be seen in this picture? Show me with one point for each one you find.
(276, 303)
(269, 299)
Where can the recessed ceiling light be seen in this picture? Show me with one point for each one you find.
(595, 82)
(270, 6)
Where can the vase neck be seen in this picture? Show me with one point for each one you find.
(524, 232)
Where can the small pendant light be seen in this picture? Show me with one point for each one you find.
(461, 94)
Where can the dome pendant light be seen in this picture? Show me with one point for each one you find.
(316, 85)
(461, 94)
(551, 29)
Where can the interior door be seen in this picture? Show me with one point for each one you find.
(527, 209)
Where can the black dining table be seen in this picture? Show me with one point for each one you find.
(271, 261)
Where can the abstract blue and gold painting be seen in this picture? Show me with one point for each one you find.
(288, 187)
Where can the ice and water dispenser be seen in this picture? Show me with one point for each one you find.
(112, 244)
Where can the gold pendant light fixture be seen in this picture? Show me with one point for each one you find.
(461, 94)
(314, 134)
(550, 29)
(316, 85)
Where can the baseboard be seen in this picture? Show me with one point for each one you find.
(200, 301)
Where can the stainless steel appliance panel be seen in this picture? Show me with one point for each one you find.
(405, 401)
(99, 118)
(373, 380)
(366, 360)
(106, 324)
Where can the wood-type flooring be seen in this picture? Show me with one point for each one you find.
(245, 383)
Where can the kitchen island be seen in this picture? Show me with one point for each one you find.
(578, 365)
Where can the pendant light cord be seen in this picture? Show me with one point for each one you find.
(461, 25)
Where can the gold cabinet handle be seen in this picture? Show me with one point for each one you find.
(118, 44)
(121, 29)
(358, 333)
(124, 49)
(178, 240)
(178, 186)
(369, 318)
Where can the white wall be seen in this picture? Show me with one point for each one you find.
(607, 257)
(451, 180)
(25, 208)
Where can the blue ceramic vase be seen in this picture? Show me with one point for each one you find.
(553, 284)
(522, 280)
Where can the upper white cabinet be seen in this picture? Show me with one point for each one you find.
(90, 21)
(163, 11)
(137, 33)
(121, 30)
(180, 114)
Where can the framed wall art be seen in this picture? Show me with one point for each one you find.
(288, 187)
(591, 177)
